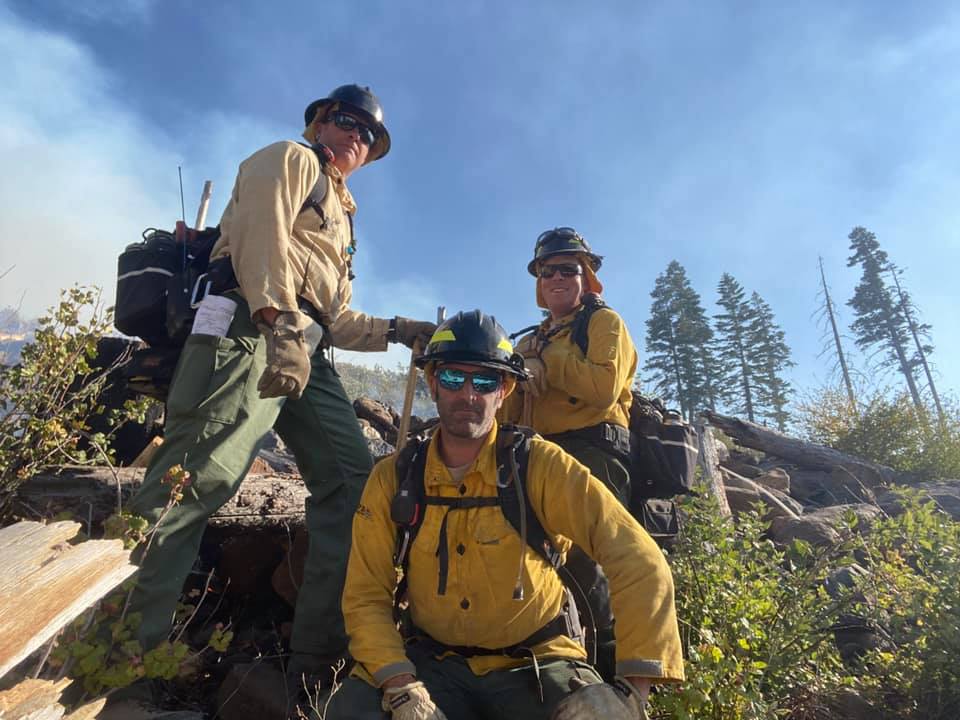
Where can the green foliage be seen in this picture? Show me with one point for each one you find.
(887, 430)
(913, 593)
(679, 344)
(387, 386)
(755, 620)
(881, 324)
(102, 653)
(772, 357)
(47, 400)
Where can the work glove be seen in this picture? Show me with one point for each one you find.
(617, 701)
(410, 332)
(288, 356)
(536, 385)
(410, 702)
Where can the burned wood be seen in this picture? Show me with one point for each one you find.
(805, 454)
(263, 501)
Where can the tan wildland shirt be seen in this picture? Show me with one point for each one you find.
(281, 250)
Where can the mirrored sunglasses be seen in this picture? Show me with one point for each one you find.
(349, 122)
(453, 380)
(566, 270)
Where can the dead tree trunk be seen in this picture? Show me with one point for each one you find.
(923, 356)
(836, 340)
(710, 463)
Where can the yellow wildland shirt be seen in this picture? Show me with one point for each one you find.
(582, 390)
(280, 253)
(476, 608)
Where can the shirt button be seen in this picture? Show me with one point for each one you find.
(465, 603)
(461, 549)
(463, 489)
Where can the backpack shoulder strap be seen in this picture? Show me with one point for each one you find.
(314, 200)
(407, 508)
(513, 455)
(579, 328)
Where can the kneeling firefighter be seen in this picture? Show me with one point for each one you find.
(582, 363)
(477, 519)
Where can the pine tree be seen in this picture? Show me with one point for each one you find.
(771, 357)
(733, 327)
(679, 343)
(880, 322)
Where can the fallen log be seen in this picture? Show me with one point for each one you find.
(805, 454)
(92, 494)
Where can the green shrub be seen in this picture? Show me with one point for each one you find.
(912, 593)
(47, 399)
(755, 621)
(887, 430)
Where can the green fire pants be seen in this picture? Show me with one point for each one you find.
(461, 695)
(215, 425)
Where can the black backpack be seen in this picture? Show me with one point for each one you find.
(408, 508)
(663, 447)
(161, 281)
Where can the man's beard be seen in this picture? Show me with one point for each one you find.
(463, 419)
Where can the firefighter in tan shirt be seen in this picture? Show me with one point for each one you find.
(287, 247)
(488, 636)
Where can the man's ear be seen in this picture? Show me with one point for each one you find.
(432, 385)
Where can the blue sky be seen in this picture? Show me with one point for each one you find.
(735, 137)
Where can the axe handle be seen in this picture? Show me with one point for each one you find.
(408, 398)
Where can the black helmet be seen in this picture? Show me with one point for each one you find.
(473, 338)
(361, 100)
(562, 241)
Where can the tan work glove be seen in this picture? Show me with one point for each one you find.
(410, 702)
(537, 384)
(409, 332)
(617, 701)
(288, 356)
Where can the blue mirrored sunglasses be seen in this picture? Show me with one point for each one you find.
(453, 380)
(349, 122)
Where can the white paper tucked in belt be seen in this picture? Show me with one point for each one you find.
(214, 315)
(313, 334)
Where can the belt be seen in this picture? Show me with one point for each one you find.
(560, 625)
(615, 438)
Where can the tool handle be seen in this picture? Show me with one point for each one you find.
(408, 397)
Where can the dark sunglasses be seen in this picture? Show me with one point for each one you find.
(566, 270)
(349, 122)
(453, 380)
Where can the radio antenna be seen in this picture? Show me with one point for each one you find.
(183, 208)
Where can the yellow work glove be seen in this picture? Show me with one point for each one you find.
(288, 356)
(409, 332)
(537, 384)
(617, 701)
(410, 702)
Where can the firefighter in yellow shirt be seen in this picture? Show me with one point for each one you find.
(583, 363)
(285, 256)
(476, 520)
